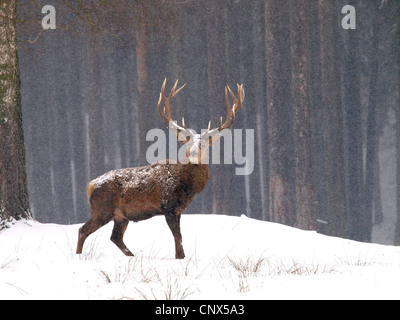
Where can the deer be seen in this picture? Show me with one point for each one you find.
(163, 188)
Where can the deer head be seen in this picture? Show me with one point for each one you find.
(197, 144)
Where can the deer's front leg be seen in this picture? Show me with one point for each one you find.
(173, 222)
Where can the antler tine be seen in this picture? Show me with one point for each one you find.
(165, 118)
(237, 101)
(167, 100)
(167, 113)
(240, 96)
(237, 104)
(163, 89)
(176, 92)
(228, 105)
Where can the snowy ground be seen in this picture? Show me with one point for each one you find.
(227, 258)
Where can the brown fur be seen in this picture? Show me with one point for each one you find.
(90, 188)
(135, 194)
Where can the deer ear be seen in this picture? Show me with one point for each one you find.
(211, 136)
(186, 136)
(183, 137)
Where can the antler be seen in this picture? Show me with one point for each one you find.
(237, 104)
(167, 113)
(213, 135)
(186, 133)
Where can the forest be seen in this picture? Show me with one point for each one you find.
(321, 77)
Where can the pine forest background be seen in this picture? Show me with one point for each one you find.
(323, 102)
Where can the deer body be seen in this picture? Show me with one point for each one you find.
(163, 188)
(137, 193)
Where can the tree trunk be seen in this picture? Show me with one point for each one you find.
(397, 46)
(332, 120)
(251, 45)
(95, 110)
(378, 210)
(352, 109)
(278, 104)
(300, 62)
(221, 176)
(60, 140)
(372, 137)
(315, 96)
(14, 200)
(397, 230)
(144, 114)
(258, 116)
(76, 119)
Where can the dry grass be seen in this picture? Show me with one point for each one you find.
(253, 272)
(7, 262)
(296, 267)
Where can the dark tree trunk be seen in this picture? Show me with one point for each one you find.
(378, 210)
(278, 110)
(332, 120)
(221, 175)
(397, 230)
(397, 110)
(95, 110)
(315, 96)
(142, 43)
(300, 57)
(14, 200)
(257, 116)
(352, 109)
(370, 183)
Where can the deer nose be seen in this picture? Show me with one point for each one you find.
(194, 153)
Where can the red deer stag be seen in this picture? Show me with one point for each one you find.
(163, 188)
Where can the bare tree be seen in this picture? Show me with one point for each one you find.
(394, 10)
(332, 120)
(217, 77)
(300, 57)
(397, 230)
(14, 199)
(278, 105)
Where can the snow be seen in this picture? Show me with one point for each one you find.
(226, 258)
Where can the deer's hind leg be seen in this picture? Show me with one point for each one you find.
(117, 235)
(101, 215)
(87, 229)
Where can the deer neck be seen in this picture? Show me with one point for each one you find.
(196, 175)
